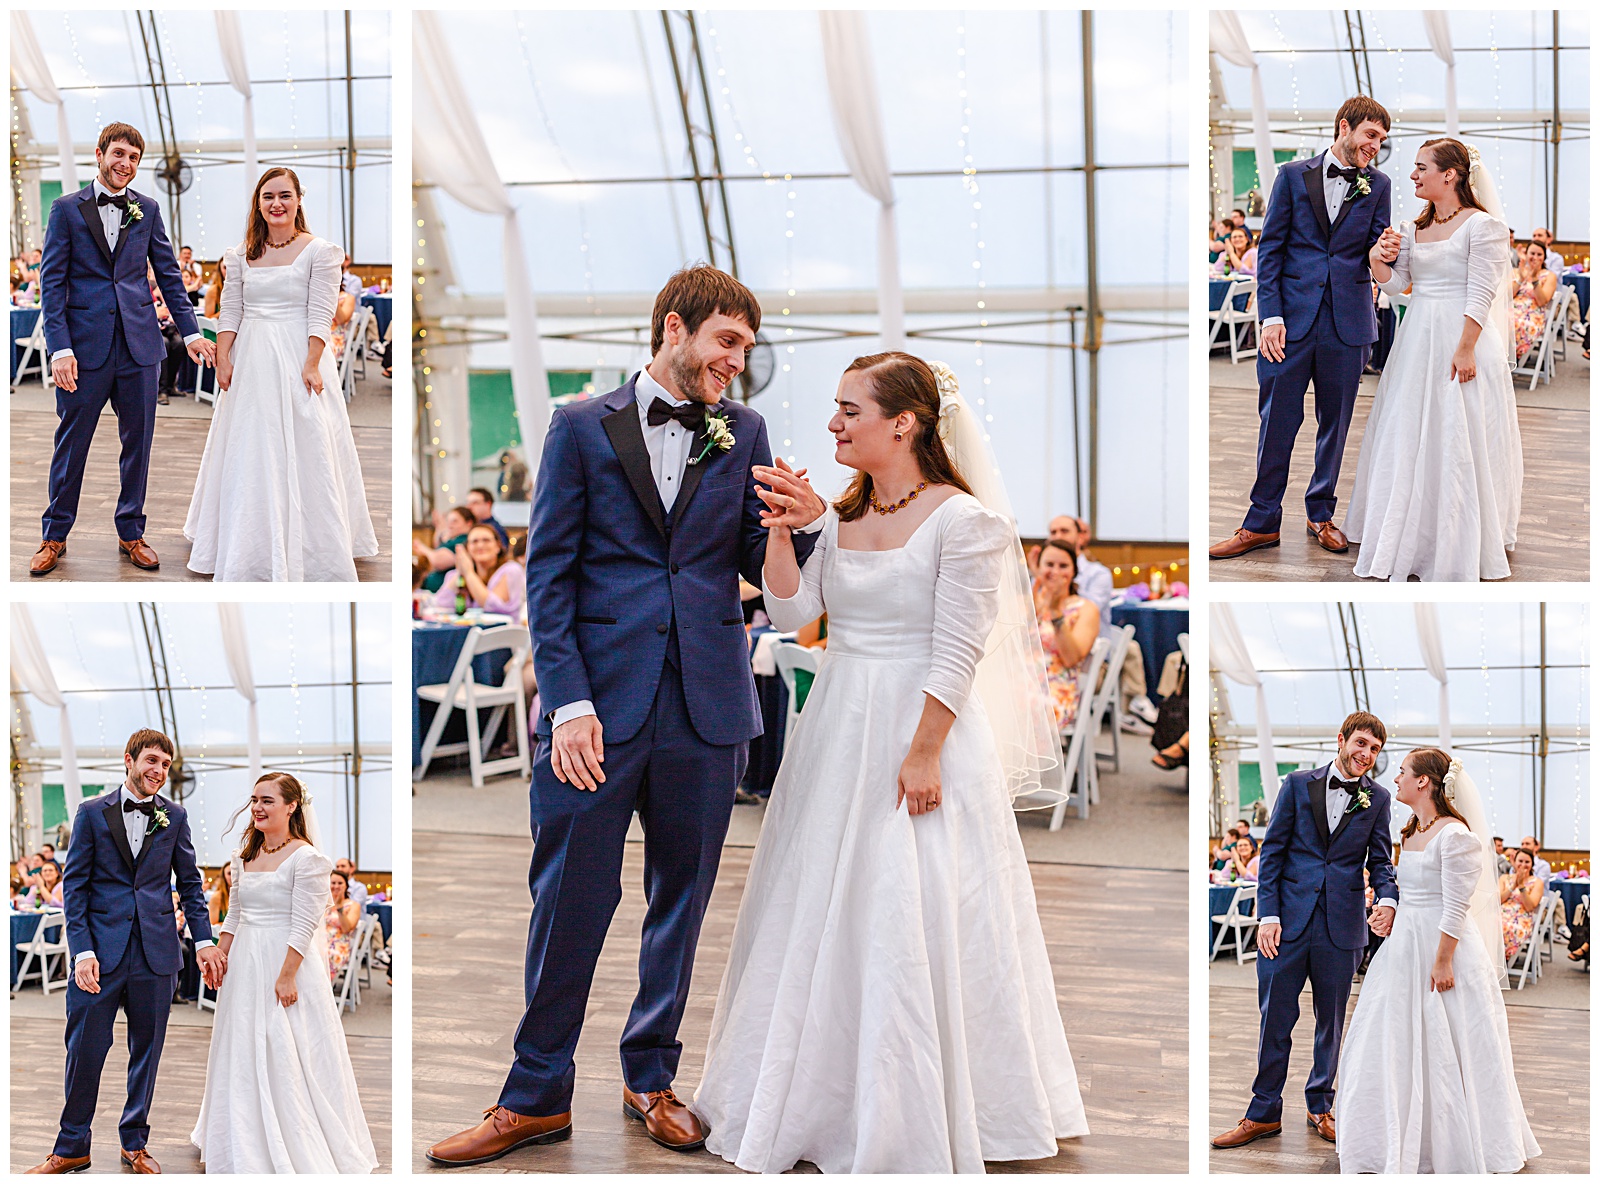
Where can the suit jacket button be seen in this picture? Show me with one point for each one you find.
(674, 569)
(661, 628)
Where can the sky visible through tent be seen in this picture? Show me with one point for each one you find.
(1504, 65)
(100, 662)
(1300, 653)
(99, 54)
(564, 95)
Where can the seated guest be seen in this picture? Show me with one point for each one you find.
(340, 923)
(212, 306)
(481, 502)
(188, 985)
(1520, 895)
(167, 384)
(1244, 863)
(1068, 627)
(1552, 258)
(1240, 256)
(1174, 755)
(1541, 866)
(358, 890)
(1237, 217)
(484, 571)
(349, 281)
(1578, 937)
(1502, 865)
(221, 890)
(1218, 244)
(450, 532)
(47, 854)
(1530, 307)
(192, 273)
(44, 892)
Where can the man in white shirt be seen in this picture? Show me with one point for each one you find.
(358, 890)
(1541, 866)
(351, 282)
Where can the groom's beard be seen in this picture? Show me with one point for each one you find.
(688, 371)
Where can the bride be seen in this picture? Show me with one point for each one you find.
(1426, 1082)
(888, 1004)
(280, 1095)
(279, 493)
(1439, 477)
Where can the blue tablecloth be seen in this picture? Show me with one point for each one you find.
(1221, 896)
(1580, 285)
(23, 322)
(1572, 891)
(382, 311)
(23, 928)
(434, 650)
(1219, 291)
(1156, 630)
(384, 911)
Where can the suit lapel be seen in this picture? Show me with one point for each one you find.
(91, 218)
(1350, 811)
(119, 832)
(1318, 789)
(1312, 177)
(692, 473)
(127, 230)
(1344, 210)
(627, 440)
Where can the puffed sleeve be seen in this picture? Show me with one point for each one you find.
(310, 897)
(806, 604)
(230, 314)
(1400, 270)
(1460, 868)
(230, 923)
(322, 292)
(1487, 264)
(972, 545)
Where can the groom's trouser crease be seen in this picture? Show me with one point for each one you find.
(683, 790)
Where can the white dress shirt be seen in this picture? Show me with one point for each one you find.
(1338, 800)
(134, 823)
(1334, 192)
(1553, 260)
(352, 284)
(112, 218)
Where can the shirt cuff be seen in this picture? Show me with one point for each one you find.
(571, 711)
(1269, 921)
(62, 353)
(811, 527)
(1386, 902)
(80, 957)
(193, 337)
(1268, 322)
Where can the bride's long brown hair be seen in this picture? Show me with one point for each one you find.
(255, 235)
(292, 791)
(1434, 764)
(1450, 154)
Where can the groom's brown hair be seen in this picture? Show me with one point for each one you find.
(1359, 108)
(149, 738)
(1363, 721)
(697, 294)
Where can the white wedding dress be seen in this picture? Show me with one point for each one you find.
(888, 1004)
(279, 493)
(1426, 1082)
(1439, 477)
(280, 1095)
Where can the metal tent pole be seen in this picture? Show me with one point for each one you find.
(1092, 276)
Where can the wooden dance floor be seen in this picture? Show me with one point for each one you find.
(37, 1057)
(1549, 1045)
(1116, 943)
(92, 552)
(1552, 537)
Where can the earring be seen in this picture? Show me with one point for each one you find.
(898, 437)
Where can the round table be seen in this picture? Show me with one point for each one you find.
(1579, 283)
(382, 310)
(1219, 292)
(435, 646)
(1572, 892)
(1157, 625)
(384, 911)
(23, 323)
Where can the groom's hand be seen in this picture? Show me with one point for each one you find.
(1267, 938)
(791, 501)
(200, 348)
(1381, 921)
(213, 965)
(1273, 340)
(87, 975)
(577, 752)
(64, 372)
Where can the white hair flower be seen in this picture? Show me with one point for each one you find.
(1450, 780)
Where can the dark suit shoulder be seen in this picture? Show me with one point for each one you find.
(585, 410)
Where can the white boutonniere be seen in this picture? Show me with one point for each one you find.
(718, 435)
(1363, 186)
(158, 820)
(1363, 798)
(135, 213)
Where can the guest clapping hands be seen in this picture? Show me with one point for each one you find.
(485, 573)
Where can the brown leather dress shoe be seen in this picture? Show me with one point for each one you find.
(666, 1120)
(47, 556)
(139, 553)
(1246, 1132)
(142, 1162)
(1329, 537)
(1322, 1124)
(501, 1132)
(59, 1165)
(1242, 542)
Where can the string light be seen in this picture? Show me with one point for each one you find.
(288, 77)
(1294, 93)
(170, 639)
(969, 183)
(200, 129)
(83, 68)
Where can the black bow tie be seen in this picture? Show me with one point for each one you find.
(1349, 175)
(1349, 787)
(120, 200)
(148, 809)
(691, 415)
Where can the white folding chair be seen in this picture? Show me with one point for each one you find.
(33, 347)
(350, 976)
(1234, 319)
(355, 340)
(1107, 699)
(203, 393)
(465, 693)
(202, 1002)
(1539, 361)
(790, 657)
(1237, 925)
(40, 949)
(1078, 760)
(1531, 955)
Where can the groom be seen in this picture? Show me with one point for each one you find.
(1314, 293)
(103, 338)
(127, 848)
(1327, 825)
(644, 517)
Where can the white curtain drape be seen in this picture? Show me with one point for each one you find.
(1437, 24)
(1228, 39)
(858, 120)
(236, 649)
(230, 37)
(33, 72)
(1431, 642)
(448, 150)
(1230, 656)
(30, 666)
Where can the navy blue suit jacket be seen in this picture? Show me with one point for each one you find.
(1300, 254)
(1301, 861)
(106, 892)
(609, 571)
(85, 286)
